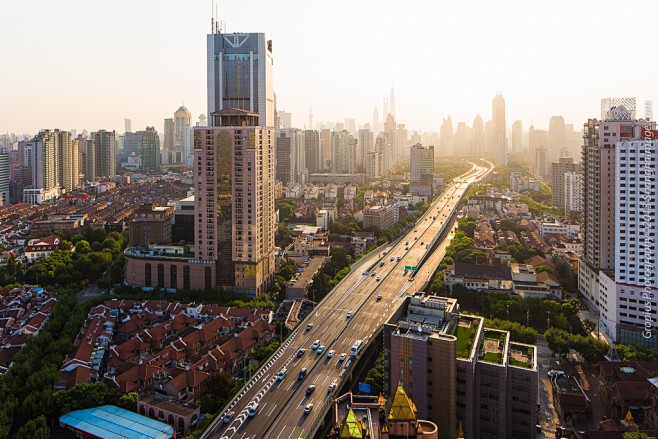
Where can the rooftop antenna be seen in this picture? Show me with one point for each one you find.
(216, 22)
(212, 17)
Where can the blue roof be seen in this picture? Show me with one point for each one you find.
(112, 422)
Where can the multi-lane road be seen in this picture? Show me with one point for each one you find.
(370, 294)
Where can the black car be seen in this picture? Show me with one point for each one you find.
(310, 389)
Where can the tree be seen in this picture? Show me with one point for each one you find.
(129, 401)
(34, 429)
(82, 247)
(637, 435)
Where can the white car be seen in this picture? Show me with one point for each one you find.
(331, 353)
(342, 357)
(315, 344)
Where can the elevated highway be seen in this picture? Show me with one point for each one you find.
(370, 293)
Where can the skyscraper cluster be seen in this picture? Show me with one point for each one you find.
(54, 162)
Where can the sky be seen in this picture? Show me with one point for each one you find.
(88, 64)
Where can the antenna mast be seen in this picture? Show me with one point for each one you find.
(212, 17)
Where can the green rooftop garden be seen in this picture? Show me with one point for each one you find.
(493, 346)
(465, 333)
(521, 356)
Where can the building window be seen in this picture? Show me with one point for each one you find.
(186, 277)
(208, 278)
(173, 276)
(160, 275)
(147, 275)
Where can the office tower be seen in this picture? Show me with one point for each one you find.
(536, 139)
(4, 177)
(447, 141)
(499, 129)
(478, 136)
(286, 154)
(556, 137)
(373, 165)
(312, 147)
(386, 111)
(104, 155)
(240, 75)
(383, 147)
(457, 371)
(648, 110)
(573, 193)
(460, 139)
(517, 137)
(203, 120)
(169, 130)
(285, 119)
(149, 150)
(541, 162)
(325, 149)
(558, 170)
(310, 118)
(188, 146)
(182, 119)
(127, 125)
(131, 144)
(422, 170)
(392, 103)
(599, 151)
(366, 145)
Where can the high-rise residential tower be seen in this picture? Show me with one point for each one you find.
(499, 129)
(240, 75)
(422, 170)
(610, 184)
(4, 177)
(104, 155)
(235, 164)
(557, 138)
(558, 171)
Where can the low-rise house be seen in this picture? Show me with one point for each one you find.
(40, 248)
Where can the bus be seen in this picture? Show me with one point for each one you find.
(356, 347)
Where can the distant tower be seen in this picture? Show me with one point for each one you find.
(392, 102)
(375, 120)
(517, 136)
(310, 118)
(128, 125)
(648, 110)
(182, 118)
(202, 120)
(556, 137)
(386, 110)
(499, 129)
(478, 136)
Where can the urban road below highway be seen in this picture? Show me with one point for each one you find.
(283, 406)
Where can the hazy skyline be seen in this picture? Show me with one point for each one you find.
(89, 65)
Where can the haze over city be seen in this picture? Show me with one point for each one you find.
(88, 65)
